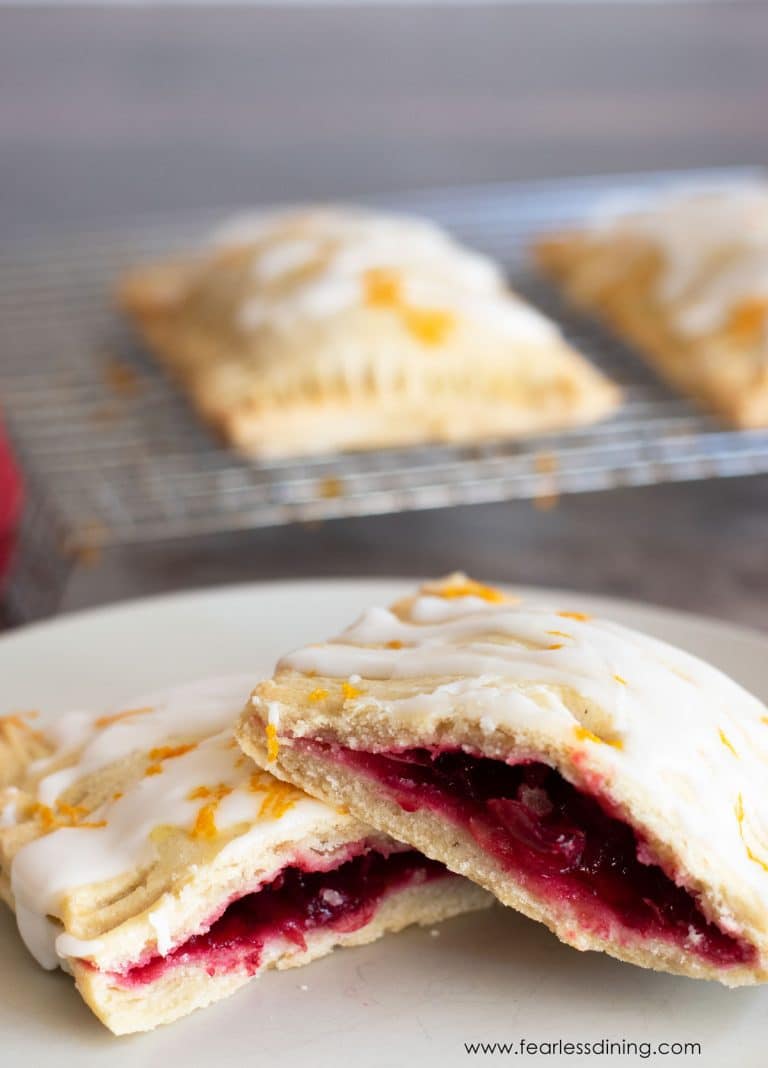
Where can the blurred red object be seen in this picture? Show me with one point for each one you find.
(10, 502)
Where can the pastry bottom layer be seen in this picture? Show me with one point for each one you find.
(560, 843)
(289, 909)
(297, 918)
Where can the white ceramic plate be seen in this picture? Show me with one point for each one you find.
(413, 999)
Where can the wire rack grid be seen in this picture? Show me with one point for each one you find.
(114, 455)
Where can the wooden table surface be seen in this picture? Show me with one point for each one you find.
(106, 115)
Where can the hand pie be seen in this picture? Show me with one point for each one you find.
(685, 278)
(314, 330)
(147, 856)
(604, 783)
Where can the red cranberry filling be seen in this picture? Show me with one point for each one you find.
(559, 841)
(294, 904)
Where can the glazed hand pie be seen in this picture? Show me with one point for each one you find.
(685, 278)
(600, 781)
(314, 330)
(146, 855)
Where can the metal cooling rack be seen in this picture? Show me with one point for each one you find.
(114, 455)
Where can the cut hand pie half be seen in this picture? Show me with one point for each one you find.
(600, 781)
(684, 276)
(315, 330)
(146, 855)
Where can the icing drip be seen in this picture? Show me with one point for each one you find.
(501, 648)
(205, 787)
(313, 264)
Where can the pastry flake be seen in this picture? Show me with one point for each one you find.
(321, 329)
(600, 781)
(684, 277)
(143, 852)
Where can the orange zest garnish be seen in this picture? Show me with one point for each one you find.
(166, 752)
(75, 813)
(394, 644)
(747, 319)
(205, 821)
(621, 681)
(273, 745)
(170, 752)
(431, 326)
(44, 815)
(116, 717)
(580, 617)
(63, 815)
(587, 736)
(350, 691)
(560, 634)
(555, 645)
(317, 695)
(726, 741)
(207, 793)
(470, 588)
(382, 288)
(278, 798)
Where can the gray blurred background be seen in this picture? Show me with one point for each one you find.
(106, 113)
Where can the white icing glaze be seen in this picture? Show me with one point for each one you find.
(162, 930)
(320, 258)
(284, 258)
(714, 245)
(273, 713)
(39, 935)
(8, 811)
(69, 946)
(662, 722)
(71, 857)
(734, 282)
